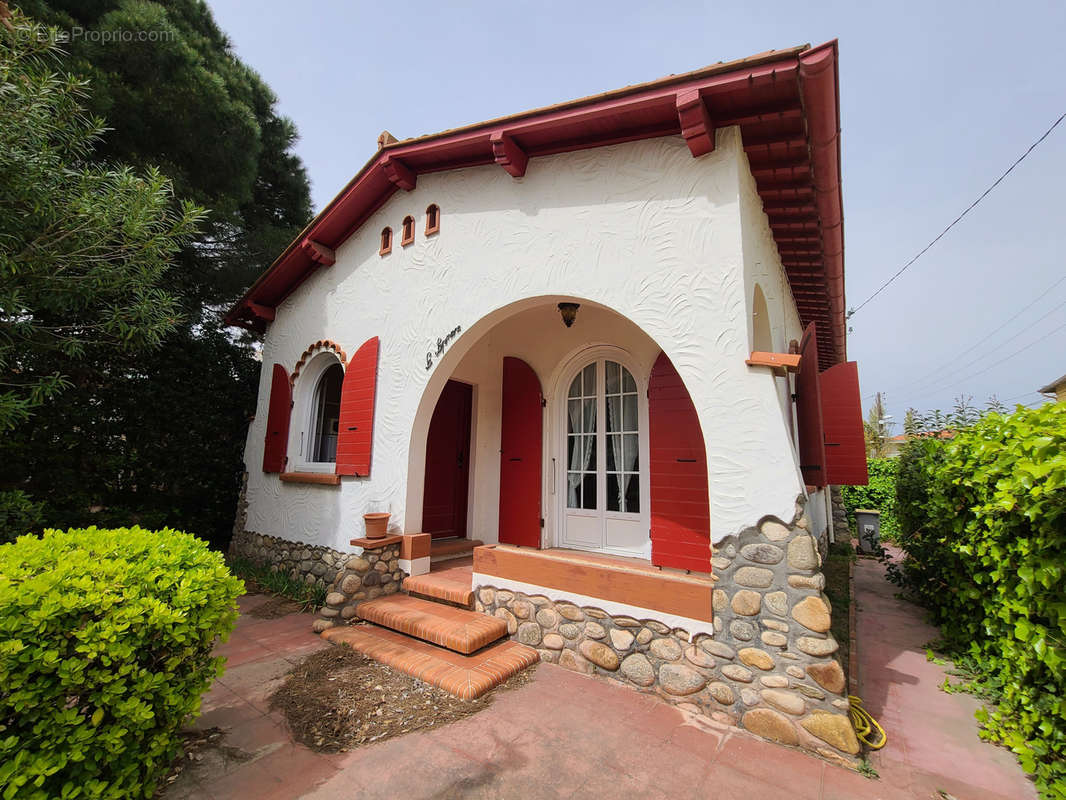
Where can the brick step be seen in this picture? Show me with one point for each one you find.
(445, 549)
(455, 628)
(446, 584)
(465, 677)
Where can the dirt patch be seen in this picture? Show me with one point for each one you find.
(275, 607)
(200, 747)
(338, 699)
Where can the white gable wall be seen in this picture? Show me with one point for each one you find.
(641, 228)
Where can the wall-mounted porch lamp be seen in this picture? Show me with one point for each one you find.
(569, 312)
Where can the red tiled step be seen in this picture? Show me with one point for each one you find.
(454, 628)
(465, 677)
(452, 584)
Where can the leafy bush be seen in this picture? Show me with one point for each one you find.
(983, 520)
(19, 514)
(879, 494)
(106, 641)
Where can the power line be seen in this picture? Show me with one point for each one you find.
(957, 219)
(1005, 342)
(988, 336)
(997, 363)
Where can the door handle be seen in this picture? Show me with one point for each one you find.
(515, 459)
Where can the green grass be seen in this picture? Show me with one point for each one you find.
(838, 590)
(261, 577)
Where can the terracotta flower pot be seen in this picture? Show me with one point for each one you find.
(376, 524)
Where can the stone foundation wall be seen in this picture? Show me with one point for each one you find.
(373, 573)
(310, 563)
(841, 530)
(768, 668)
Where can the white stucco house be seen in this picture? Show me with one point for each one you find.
(591, 360)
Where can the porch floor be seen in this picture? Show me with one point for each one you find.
(449, 580)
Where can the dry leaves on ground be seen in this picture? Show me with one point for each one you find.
(338, 699)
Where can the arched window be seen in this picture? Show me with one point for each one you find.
(325, 415)
(386, 242)
(408, 230)
(761, 340)
(432, 220)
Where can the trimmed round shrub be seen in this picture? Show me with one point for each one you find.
(106, 640)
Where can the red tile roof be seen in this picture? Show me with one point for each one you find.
(785, 102)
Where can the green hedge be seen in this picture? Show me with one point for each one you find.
(106, 641)
(879, 494)
(19, 514)
(983, 523)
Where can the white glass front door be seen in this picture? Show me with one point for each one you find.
(605, 475)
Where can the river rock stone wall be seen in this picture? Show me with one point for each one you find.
(372, 573)
(841, 530)
(768, 668)
(310, 563)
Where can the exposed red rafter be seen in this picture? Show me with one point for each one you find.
(265, 313)
(775, 144)
(774, 114)
(696, 124)
(318, 252)
(784, 194)
(774, 167)
(508, 154)
(399, 173)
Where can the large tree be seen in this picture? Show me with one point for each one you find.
(84, 248)
(158, 438)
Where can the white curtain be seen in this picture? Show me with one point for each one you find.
(581, 459)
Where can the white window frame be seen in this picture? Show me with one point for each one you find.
(304, 411)
(556, 439)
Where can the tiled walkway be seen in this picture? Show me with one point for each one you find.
(933, 743)
(569, 735)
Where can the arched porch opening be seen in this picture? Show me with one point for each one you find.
(565, 448)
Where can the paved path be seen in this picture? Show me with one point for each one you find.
(569, 735)
(933, 743)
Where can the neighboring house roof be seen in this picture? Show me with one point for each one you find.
(903, 437)
(1052, 387)
(787, 106)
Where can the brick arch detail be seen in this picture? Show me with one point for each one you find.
(320, 345)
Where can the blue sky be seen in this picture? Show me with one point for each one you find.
(937, 99)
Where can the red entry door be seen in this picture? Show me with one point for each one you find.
(520, 454)
(444, 496)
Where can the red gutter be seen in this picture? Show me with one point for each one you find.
(821, 101)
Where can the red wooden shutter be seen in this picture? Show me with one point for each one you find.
(520, 454)
(355, 434)
(845, 441)
(680, 510)
(277, 432)
(809, 412)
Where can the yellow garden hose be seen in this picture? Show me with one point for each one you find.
(864, 725)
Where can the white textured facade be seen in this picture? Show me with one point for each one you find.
(663, 251)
